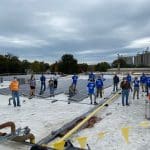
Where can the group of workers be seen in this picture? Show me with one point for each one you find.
(128, 84)
(95, 87)
(14, 87)
(92, 84)
(52, 84)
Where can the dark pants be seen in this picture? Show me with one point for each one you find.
(74, 86)
(15, 94)
(90, 94)
(55, 83)
(51, 89)
(43, 86)
(136, 91)
(147, 90)
(115, 87)
(125, 94)
(99, 92)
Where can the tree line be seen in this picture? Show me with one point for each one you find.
(67, 65)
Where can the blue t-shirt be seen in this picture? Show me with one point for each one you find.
(143, 79)
(99, 83)
(129, 79)
(92, 76)
(136, 83)
(148, 82)
(74, 79)
(91, 86)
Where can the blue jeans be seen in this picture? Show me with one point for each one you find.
(15, 94)
(115, 87)
(51, 91)
(43, 86)
(125, 94)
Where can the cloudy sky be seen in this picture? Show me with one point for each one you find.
(91, 30)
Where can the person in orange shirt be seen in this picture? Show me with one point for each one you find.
(14, 87)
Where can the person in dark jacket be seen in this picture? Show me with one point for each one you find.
(115, 82)
(125, 86)
(43, 83)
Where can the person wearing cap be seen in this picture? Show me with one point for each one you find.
(136, 85)
(91, 92)
(125, 86)
(14, 87)
(143, 82)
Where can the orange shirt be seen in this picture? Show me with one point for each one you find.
(14, 85)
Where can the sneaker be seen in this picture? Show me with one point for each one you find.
(95, 103)
(127, 105)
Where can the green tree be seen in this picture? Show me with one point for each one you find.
(13, 63)
(103, 66)
(54, 67)
(82, 67)
(68, 64)
(35, 67)
(25, 65)
(120, 61)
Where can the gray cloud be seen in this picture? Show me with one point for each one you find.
(45, 30)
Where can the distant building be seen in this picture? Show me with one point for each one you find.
(142, 59)
(128, 59)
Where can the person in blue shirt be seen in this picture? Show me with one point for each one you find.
(91, 76)
(129, 78)
(147, 85)
(43, 83)
(74, 81)
(99, 86)
(91, 91)
(136, 85)
(143, 82)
